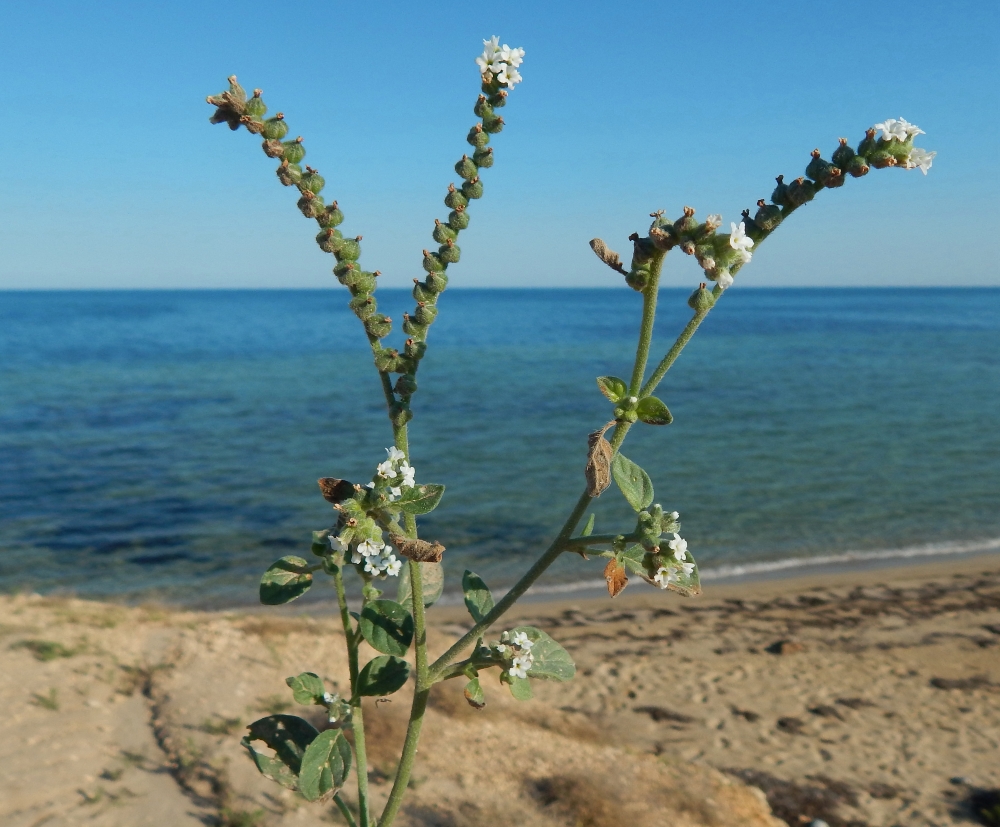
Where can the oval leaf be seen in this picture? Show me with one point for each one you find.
(387, 626)
(478, 599)
(474, 694)
(551, 661)
(652, 411)
(634, 483)
(432, 580)
(612, 387)
(307, 688)
(289, 737)
(325, 765)
(520, 688)
(285, 580)
(383, 675)
(420, 499)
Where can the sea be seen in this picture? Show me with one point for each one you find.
(165, 446)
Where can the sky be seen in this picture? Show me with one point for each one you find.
(114, 177)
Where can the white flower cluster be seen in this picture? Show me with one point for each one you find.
(902, 130)
(378, 558)
(396, 471)
(500, 62)
(517, 650)
(672, 573)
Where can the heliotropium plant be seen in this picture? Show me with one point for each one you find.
(375, 526)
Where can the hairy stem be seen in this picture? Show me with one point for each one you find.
(649, 296)
(673, 353)
(344, 810)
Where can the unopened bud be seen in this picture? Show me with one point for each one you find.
(780, 194)
(687, 248)
(329, 240)
(272, 149)
(483, 157)
(800, 191)
(880, 159)
(493, 124)
(843, 155)
(482, 107)
(415, 350)
(289, 174)
(478, 137)
(454, 198)
(378, 325)
(425, 314)
(406, 385)
(449, 252)
(458, 219)
(312, 181)
(350, 250)
(467, 168)
(858, 167)
(255, 106)
(331, 216)
(473, 189)
(768, 216)
(310, 205)
(294, 152)
(436, 282)
(363, 306)
(701, 299)
(868, 145)
(432, 262)
(275, 128)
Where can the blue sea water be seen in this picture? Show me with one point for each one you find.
(165, 445)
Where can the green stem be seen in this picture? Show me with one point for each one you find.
(344, 810)
(673, 353)
(649, 296)
(357, 718)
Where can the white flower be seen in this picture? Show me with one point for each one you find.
(369, 548)
(394, 494)
(714, 221)
(920, 159)
(679, 547)
(891, 128)
(356, 558)
(373, 565)
(369, 485)
(501, 649)
(393, 565)
(508, 75)
(395, 455)
(745, 256)
(738, 238)
(328, 698)
(522, 663)
(337, 544)
(512, 56)
(492, 47)
(406, 471)
(664, 576)
(386, 470)
(674, 515)
(910, 129)
(725, 278)
(522, 641)
(687, 568)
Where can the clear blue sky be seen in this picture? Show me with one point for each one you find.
(113, 176)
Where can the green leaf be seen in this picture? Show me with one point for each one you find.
(612, 387)
(432, 580)
(520, 688)
(383, 675)
(551, 661)
(307, 688)
(320, 544)
(474, 694)
(634, 559)
(285, 580)
(325, 765)
(589, 527)
(289, 737)
(478, 599)
(653, 412)
(634, 483)
(420, 499)
(387, 626)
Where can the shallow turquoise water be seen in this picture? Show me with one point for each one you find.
(166, 444)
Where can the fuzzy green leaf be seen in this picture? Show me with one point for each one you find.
(613, 388)
(634, 559)
(520, 688)
(634, 483)
(432, 580)
(653, 411)
(551, 661)
(325, 764)
(589, 527)
(383, 675)
(289, 737)
(420, 499)
(478, 599)
(387, 626)
(307, 688)
(474, 694)
(285, 580)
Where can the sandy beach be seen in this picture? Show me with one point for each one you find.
(859, 698)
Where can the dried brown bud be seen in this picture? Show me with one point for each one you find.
(608, 256)
(661, 238)
(598, 470)
(614, 573)
(334, 490)
(418, 550)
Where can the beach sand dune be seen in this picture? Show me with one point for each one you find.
(862, 698)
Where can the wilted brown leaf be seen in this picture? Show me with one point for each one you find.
(334, 490)
(599, 456)
(419, 550)
(614, 573)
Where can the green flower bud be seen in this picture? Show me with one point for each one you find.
(273, 149)
(342, 268)
(780, 194)
(482, 107)
(493, 124)
(478, 137)
(686, 223)
(331, 217)
(329, 240)
(458, 219)
(255, 107)
(900, 150)
(701, 299)
(497, 98)
(294, 151)
(421, 293)
(363, 306)
(880, 159)
(436, 282)
(483, 157)
(821, 171)
(406, 385)
(432, 262)
(275, 128)
(443, 233)
(425, 314)
(454, 198)
(400, 414)
(312, 181)
(449, 252)
(643, 249)
(378, 325)
(857, 167)
(289, 174)
(467, 168)
(360, 281)
(386, 359)
(638, 278)
(254, 126)
(350, 250)
(310, 205)
(835, 181)
(415, 350)
(868, 145)
(473, 189)
(843, 154)
(768, 216)
(800, 191)
(750, 226)
(411, 327)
